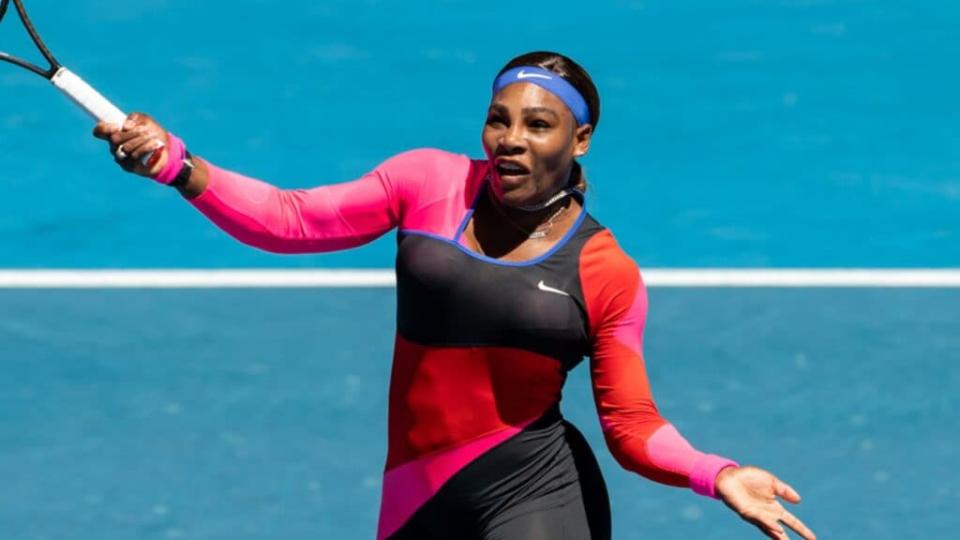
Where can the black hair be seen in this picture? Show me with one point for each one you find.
(574, 74)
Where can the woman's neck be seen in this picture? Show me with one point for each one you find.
(499, 231)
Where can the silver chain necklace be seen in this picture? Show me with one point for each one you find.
(565, 192)
(536, 207)
(541, 231)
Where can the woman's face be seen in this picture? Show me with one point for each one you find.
(531, 139)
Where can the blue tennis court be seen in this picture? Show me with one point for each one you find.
(740, 134)
(271, 424)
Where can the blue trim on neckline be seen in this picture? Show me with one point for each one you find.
(469, 214)
(531, 262)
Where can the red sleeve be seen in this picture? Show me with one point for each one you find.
(638, 437)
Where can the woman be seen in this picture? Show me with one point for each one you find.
(504, 283)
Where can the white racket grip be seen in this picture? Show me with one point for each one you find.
(86, 97)
(91, 101)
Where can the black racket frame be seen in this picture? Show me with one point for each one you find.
(54, 65)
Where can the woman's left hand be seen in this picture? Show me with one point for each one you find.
(752, 493)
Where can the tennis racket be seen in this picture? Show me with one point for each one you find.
(65, 80)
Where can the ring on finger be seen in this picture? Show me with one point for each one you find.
(120, 153)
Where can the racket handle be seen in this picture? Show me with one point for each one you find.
(89, 99)
(86, 97)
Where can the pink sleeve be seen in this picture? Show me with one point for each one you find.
(325, 218)
(638, 437)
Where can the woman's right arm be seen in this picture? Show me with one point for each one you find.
(320, 219)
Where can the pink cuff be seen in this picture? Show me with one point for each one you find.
(703, 477)
(176, 151)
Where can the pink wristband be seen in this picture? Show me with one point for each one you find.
(703, 477)
(176, 151)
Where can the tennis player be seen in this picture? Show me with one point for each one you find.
(504, 283)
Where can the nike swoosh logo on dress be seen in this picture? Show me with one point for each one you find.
(547, 288)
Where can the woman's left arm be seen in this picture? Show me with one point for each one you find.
(638, 437)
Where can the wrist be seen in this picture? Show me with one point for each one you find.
(198, 181)
(186, 171)
(723, 476)
(707, 472)
(176, 154)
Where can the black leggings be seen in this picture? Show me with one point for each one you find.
(543, 484)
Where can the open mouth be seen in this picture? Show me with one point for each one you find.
(510, 168)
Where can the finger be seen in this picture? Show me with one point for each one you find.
(146, 149)
(136, 119)
(785, 491)
(125, 163)
(138, 147)
(122, 137)
(103, 130)
(155, 164)
(791, 521)
(767, 523)
(775, 531)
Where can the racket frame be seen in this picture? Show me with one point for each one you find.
(35, 37)
(68, 82)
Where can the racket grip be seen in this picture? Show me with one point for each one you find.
(89, 100)
(86, 97)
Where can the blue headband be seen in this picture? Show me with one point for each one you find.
(550, 82)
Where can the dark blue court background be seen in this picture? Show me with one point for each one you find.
(741, 133)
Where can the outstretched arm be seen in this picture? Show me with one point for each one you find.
(320, 219)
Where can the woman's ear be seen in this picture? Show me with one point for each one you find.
(581, 140)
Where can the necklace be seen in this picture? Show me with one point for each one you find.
(536, 207)
(541, 231)
(541, 205)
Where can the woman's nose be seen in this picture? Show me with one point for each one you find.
(512, 139)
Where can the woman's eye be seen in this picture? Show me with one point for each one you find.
(495, 121)
(539, 124)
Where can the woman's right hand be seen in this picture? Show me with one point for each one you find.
(137, 137)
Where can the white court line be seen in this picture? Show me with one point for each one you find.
(654, 277)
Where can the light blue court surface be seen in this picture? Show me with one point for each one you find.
(270, 422)
(734, 133)
(741, 133)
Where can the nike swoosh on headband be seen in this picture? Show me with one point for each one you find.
(550, 82)
(524, 75)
